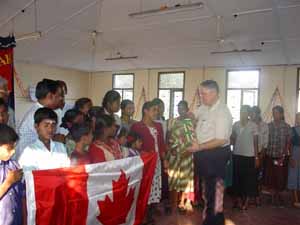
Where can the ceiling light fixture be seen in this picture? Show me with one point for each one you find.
(122, 58)
(34, 35)
(166, 10)
(237, 51)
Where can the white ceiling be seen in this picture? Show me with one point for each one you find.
(182, 39)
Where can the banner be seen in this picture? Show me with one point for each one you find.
(7, 66)
(109, 193)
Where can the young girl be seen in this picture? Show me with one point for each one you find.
(94, 113)
(111, 105)
(294, 165)
(134, 144)
(83, 105)
(72, 116)
(83, 137)
(104, 147)
(121, 138)
(127, 109)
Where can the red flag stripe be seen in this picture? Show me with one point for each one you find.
(150, 160)
(64, 199)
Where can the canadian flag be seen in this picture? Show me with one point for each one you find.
(110, 193)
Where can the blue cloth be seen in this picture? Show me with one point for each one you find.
(11, 202)
(294, 173)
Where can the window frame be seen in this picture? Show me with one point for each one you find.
(243, 89)
(298, 88)
(172, 90)
(121, 74)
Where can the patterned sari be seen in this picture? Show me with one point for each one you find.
(181, 166)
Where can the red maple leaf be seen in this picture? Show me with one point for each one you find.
(114, 212)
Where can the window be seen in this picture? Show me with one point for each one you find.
(298, 90)
(123, 83)
(171, 91)
(242, 89)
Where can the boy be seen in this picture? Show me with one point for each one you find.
(12, 190)
(83, 136)
(49, 94)
(4, 116)
(44, 153)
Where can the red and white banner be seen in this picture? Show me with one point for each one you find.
(7, 65)
(110, 193)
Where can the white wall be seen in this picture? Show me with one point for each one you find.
(95, 85)
(285, 78)
(30, 74)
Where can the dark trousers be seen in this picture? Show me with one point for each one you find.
(213, 194)
(211, 166)
(165, 185)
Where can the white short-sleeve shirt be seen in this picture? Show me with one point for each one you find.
(37, 157)
(26, 130)
(244, 138)
(213, 122)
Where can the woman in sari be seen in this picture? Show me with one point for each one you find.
(105, 148)
(181, 169)
(151, 133)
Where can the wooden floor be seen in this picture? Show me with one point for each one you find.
(264, 215)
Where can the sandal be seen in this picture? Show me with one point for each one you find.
(296, 205)
(181, 210)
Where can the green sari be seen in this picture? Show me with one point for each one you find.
(181, 166)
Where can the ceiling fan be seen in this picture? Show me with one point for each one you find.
(32, 35)
(121, 57)
(221, 40)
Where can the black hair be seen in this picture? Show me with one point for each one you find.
(122, 132)
(7, 135)
(44, 87)
(256, 110)
(211, 84)
(80, 103)
(3, 104)
(279, 109)
(110, 97)
(147, 105)
(69, 117)
(43, 114)
(246, 108)
(95, 112)
(158, 101)
(184, 103)
(132, 138)
(125, 103)
(63, 85)
(80, 129)
(102, 122)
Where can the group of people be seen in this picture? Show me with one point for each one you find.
(193, 149)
